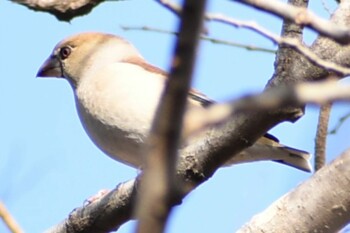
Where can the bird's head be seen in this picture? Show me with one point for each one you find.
(85, 52)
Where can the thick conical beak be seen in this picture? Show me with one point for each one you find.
(50, 68)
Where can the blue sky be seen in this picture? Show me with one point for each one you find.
(48, 166)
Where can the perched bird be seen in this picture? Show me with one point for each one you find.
(117, 92)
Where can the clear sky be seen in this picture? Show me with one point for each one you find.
(48, 166)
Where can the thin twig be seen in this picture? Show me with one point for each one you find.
(303, 17)
(340, 123)
(172, 6)
(9, 221)
(206, 38)
(292, 42)
(321, 136)
(298, 14)
(326, 7)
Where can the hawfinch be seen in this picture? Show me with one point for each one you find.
(117, 92)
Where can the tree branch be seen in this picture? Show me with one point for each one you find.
(8, 220)
(249, 47)
(320, 93)
(63, 10)
(289, 41)
(158, 187)
(321, 136)
(283, 41)
(320, 204)
(339, 124)
(303, 17)
(171, 6)
(297, 13)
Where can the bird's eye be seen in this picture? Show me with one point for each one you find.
(65, 52)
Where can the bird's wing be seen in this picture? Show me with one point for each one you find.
(195, 97)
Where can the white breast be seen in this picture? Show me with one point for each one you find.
(116, 106)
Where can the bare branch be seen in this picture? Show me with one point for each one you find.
(206, 38)
(63, 10)
(321, 136)
(298, 14)
(292, 42)
(326, 92)
(8, 220)
(323, 47)
(158, 187)
(340, 122)
(320, 204)
(172, 6)
(326, 7)
(287, 58)
(284, 41)
(303, 17)
(272, 99)
(104, 215)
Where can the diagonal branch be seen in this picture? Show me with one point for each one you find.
(8, 220)
(302, 17)
(311, 207)
(339, 124)
(171, 6)
(320, 93)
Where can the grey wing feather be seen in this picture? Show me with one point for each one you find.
(200, 98)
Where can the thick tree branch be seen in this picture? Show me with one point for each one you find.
(287, 57)
(323, 47)
(104, 215)
(320, 93)
(63, 10)
(320, 204)
(158, 182)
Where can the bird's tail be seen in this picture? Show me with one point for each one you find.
(274, 152)
(295, 158)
